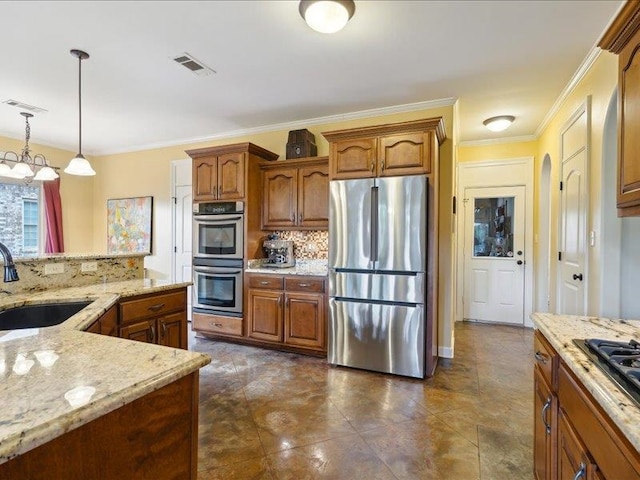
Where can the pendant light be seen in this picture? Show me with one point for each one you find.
(327, 16)
(79, 165)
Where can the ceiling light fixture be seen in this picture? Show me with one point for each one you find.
(79, 165)
(327, 16)
(499, 123)
(26, 167)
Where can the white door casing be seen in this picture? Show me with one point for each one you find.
(182, 251)
(574, 204)
(494, 254)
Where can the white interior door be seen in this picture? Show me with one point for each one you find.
(573, 217)
(494, 254)
(182, 225)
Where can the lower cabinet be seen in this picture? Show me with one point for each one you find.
(574, 438)
(287, 310)
(107, 324)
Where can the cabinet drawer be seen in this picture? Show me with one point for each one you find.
(304, 284)
(271, 282)
(545, 357)
(217, 324)
(155, 305)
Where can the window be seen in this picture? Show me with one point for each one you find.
(21, 217)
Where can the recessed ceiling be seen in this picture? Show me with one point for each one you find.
(495, 57)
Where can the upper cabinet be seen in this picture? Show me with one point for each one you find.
(407, 148)
(295, 194)
(623, 39)
(219, 173)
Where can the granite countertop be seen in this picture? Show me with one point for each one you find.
(58, 378)
(314, 268)
(560, 330)
(76, 256)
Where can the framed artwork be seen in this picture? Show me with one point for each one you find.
(129, 225)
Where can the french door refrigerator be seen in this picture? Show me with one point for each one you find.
(377, 263)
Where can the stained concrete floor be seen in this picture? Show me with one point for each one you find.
(272, 415)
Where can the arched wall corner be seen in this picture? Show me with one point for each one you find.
(542, 239)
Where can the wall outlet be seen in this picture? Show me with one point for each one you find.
(53, 268)
(89, 266)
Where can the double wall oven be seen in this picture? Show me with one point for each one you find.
(218, 248)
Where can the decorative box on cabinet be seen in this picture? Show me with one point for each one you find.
(219, 173)
(623, 39)
(407, 148)
(295, 194)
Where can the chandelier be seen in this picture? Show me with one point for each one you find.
(26, 167)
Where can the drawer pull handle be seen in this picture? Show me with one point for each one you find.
(581, 472)
(543, 412)
(264, 283)
(156, 307)
(153, 333)
(164, 329)
(219, 325)
(303, 284)
(541, 357)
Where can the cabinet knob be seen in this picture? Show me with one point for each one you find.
(543, 413)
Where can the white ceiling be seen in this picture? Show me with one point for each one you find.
(495, 57)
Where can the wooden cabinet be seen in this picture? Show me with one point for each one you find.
(159, 318)
(295, 194)
(582, 441)
(623, 39)
(408, 148)
(107, 324)
(220, 173)
(287, 310)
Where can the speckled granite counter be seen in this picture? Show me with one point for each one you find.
(316, 268)
(58, 378)
(560, 330)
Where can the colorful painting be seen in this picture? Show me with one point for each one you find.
(129, 225)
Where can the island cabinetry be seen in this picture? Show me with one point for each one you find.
(107, 324)
(408, 148)
(287, 310)
(545, 409)
(623, 39)
(295, 194)
(159, 318)
(220, 173)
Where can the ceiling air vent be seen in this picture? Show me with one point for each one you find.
(193, 65)
(24, 106)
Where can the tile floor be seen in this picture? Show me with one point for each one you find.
(271, 415)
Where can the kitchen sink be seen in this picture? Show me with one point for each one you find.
(37, 316)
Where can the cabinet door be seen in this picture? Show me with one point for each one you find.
(265, 315)
(573, 459)
(279, 202)
(313, 196)
(406, 154)
(143, 331)
(205, 174)
(353, 159)
(231, 176)
(304, 320)
(545, 405)
(172, 330)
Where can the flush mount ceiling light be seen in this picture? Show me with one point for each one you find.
(327, 16)
(26, 167)
(79, 165)
(499, 123)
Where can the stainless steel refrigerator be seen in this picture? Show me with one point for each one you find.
(377, 265)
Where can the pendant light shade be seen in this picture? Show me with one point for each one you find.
(327, 16)
(79, 165)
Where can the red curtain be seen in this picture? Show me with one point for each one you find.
(53, 216)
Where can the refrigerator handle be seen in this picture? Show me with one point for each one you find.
(374, 224)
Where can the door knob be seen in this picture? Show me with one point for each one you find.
(577, 277)
(519, 252)
(519, 262)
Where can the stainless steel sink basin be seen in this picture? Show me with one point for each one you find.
(38, 316)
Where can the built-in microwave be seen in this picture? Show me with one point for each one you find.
(218, 230)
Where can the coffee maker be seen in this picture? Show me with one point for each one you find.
(279, 253)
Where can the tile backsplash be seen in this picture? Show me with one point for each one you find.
(312, 244)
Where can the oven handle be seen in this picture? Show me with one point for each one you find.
(214, 218)
(221, 271)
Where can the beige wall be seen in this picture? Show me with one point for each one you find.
(499, 151)
(76, 194)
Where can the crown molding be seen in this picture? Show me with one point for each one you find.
(498, 141)
(298, 124)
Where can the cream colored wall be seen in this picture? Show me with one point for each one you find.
(76, 194)
(148, 173)
(500, 151)
(599, 83)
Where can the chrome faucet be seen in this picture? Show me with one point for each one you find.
(10, 272)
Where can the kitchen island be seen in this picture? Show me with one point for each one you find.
(584, 423)
(80, 405)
